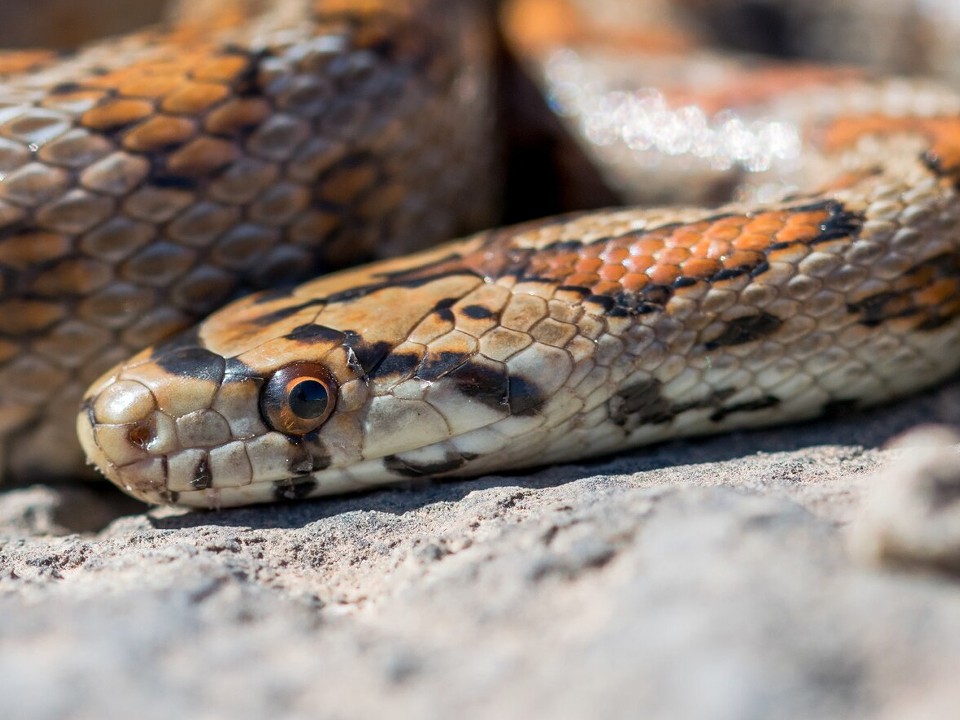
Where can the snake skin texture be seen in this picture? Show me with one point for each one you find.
(144, 181)
(560, 339)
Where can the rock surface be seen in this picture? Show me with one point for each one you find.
(703, 579)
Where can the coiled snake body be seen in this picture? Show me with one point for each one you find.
(146, 180)
(558, 339)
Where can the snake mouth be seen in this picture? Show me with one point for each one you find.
(121, 452)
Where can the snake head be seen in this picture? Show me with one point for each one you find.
(355, 380)
(181, 422)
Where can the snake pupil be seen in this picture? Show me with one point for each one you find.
(308, 399)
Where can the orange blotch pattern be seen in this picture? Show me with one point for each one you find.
(672, 254)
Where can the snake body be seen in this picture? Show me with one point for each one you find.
(144, 181)
(559, 339)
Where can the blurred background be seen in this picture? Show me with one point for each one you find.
(895, 36)
(647, 101)
(65, 24)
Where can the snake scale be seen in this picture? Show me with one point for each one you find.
(557, 339)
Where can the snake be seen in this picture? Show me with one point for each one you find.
(554, 340)
(146, 180)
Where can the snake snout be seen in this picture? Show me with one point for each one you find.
(122, 426)
(152, 426)
(186, 425)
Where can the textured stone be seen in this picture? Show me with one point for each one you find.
(913, 515)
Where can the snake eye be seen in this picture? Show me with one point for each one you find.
(298, 398)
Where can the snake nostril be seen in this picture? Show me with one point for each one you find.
(140, 435)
